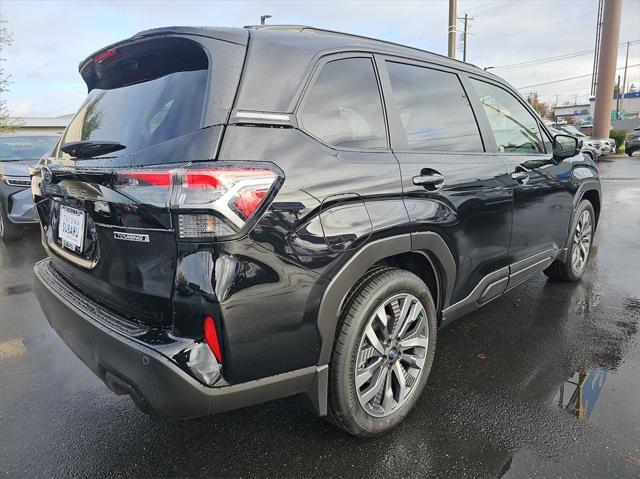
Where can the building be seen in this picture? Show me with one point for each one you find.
(575, 112)
(629, 108)
(42, 124)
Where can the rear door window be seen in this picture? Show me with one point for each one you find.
(343, 107)
(143, 95)
(434, 109)
(514, 128)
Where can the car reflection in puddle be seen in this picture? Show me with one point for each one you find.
(578, 394)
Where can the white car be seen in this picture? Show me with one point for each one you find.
(608, 146)
(604, 146)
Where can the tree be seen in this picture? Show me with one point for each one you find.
(7, 124)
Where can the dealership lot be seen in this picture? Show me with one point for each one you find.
(542, 382)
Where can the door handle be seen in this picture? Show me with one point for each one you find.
(432, 181)
(520, 176)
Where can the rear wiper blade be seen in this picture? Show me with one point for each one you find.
(91, 148)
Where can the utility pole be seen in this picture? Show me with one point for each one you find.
(452, 29)
(465, 20)
(618, 100)
(624, 81)
(612, 12)
(596, 56)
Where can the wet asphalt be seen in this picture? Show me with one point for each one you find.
(544, 382)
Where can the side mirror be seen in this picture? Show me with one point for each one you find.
(565, 146)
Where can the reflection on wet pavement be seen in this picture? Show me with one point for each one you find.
(543, 382)
(579, 394)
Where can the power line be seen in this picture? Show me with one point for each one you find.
(555, 58)
(534, 28)
(571, 78)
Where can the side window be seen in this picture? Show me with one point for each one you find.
(343, 107)
(514, 128)
(434, 109)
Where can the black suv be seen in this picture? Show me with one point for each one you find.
(238, 215)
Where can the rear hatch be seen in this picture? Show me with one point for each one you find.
(109, 219)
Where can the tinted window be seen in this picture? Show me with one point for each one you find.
(25, 147)
(143, 95)
(514, 128)
(434, 109)
(344, 108)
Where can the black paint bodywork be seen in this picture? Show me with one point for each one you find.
(276, 294)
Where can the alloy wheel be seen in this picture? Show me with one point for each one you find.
(582, 238)
(391, 355)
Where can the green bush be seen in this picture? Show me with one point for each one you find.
(618, 135)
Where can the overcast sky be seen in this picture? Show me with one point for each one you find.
(51, 37)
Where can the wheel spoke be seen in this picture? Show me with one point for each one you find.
(381, 315)
(398, 371)
(375, 387)
(366, 373)
(373, 339)
(401, 317)
(414, 341)
(412, 360)
(413, 313)
(388, 401)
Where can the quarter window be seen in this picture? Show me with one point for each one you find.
(343, 107)
(434, 109)
(514, 128)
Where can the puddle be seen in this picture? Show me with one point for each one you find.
(579, 394)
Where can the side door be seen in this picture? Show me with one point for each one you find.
(452, 185)
(542, 193)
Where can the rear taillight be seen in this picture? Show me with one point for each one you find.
(211, 202)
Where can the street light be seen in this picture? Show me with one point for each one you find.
(488, 68)
(263, 18)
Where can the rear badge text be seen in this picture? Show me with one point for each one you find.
(131, 237)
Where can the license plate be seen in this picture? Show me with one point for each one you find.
(71, 228)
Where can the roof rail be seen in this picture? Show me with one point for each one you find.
(301, 28)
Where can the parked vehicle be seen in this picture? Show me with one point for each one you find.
(237, 240)
(599, 147)
(17, 152)
(590, 148)
(632, 141)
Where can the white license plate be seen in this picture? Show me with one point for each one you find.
(71, 228)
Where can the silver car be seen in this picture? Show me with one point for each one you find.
(17, 153)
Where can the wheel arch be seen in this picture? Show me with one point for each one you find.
(429, 251)
(593, 196)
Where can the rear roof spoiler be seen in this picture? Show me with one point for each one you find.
(238, 36)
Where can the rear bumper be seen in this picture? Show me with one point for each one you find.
(155, 382)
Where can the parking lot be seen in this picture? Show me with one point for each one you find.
(542, 382)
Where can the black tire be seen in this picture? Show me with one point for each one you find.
(8, 230)
(371, 292)
(566, 270)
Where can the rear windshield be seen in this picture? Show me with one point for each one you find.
(142, 95)
(13, 148)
